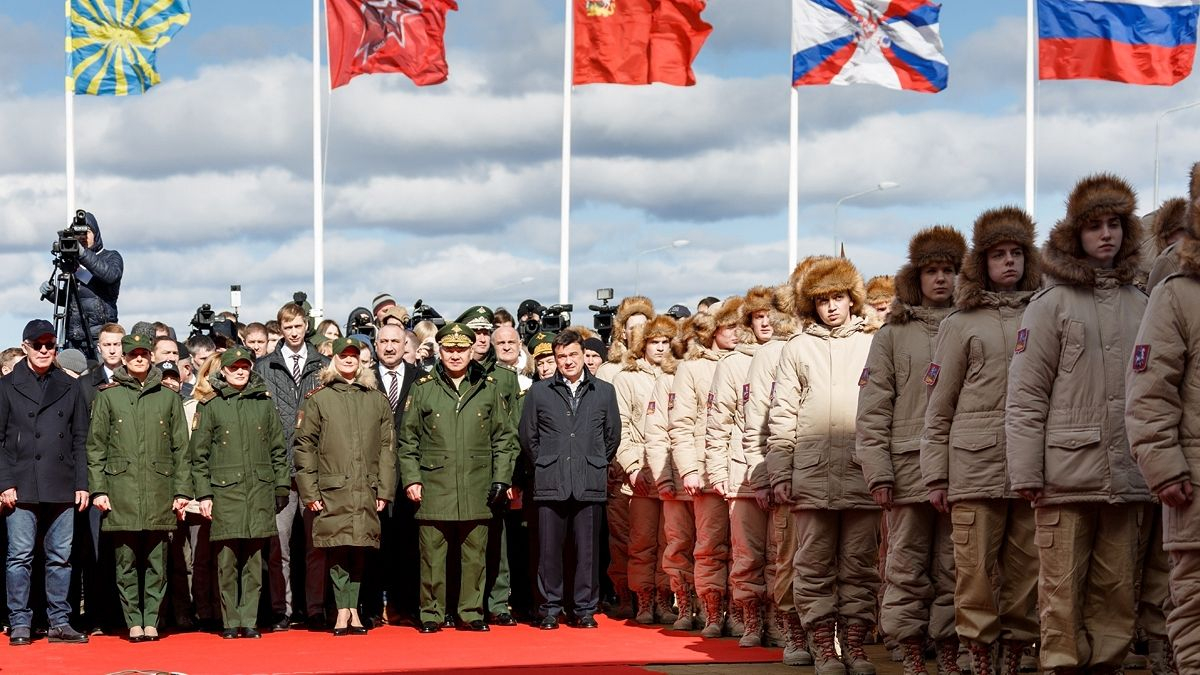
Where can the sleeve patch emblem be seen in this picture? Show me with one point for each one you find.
(865, 377)
(745, 394)
(671, 401)
(931, 375)
(650, 408)
(1141, 358)
(1022, 340)
(772, 395)
(711, 398)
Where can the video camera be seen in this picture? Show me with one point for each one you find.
(556, 317)
(203, 320)
(423, 312)
(603, 321)
(360, 322)
(70, 242)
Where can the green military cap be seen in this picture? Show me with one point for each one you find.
(541, 344)
(232, 356)
(132, 342)
(455, 335)
(477, 318)
(317, 339)
(341, 344)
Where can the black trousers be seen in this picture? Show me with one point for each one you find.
(555, 521)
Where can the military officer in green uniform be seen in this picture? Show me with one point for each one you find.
(140, 475)
(242, 478)
(457, 446)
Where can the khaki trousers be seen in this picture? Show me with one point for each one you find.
(679, 526)
(918, 600)
(996, 570)
(1154, 596)
(712, 543)
(617, 510)
(835, 565)
(1085, 589)
(781, 558)
(646, 539)
(748, 550)
(1183, 622)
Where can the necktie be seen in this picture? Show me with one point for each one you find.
(393, 390)
(296, 368)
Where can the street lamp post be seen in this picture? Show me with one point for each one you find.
(884, 185)
(637, 259)
(1157, 127)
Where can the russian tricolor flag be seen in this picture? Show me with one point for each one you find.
(1135, 41)
(891, 43)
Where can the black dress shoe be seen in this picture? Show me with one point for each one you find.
(316, 624)
(548, 623)
(586, 622)
(339, 632)
(358, 630)
(449, 621)
(476, 626)
(503, 619)
(229, 633)
(430, 627)
(19, 636)
(251, 633)
(280, 626)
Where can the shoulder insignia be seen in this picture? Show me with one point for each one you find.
(862, 379)
(109, 385)
(506, 366)
(490, 378)
(309, 394)
(299, 418)
(1022, 340)
(931, 375)
(425, 379)
(267, 393)
(196, 420)
(522, 394)
(1141, 358)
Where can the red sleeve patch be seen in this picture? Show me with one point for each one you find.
(711, 398)
(865, 377)
(772, 392)
(650, 408)
(671, 400)
(1141, 358)
(745, 393)
(931, 375)
(1022, 340)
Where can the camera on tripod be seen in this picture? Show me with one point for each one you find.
(603, 320)
(71, 239)
(556, 317)
(203, 320)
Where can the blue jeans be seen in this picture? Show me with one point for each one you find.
(59, 522)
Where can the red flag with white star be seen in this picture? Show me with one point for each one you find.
(388, 36)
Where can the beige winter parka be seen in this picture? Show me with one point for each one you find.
(724, 452)
(658, 436)
(688, 415)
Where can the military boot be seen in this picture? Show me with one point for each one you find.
(710, 605)
(981, 658)
(947, 656)
(752, 624)
(666, 609)
(1161, 662)
(795, 648)
(857, 661)
(645, 607)
(686, 608)
(734, 626)
(1011, 652)
(624, 607)
(776, 627)
(821, 636)
(912, 652)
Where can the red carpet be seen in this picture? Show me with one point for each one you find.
(503, 651)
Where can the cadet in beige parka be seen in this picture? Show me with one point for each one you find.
(1065, 423)
(963, 460)
(1167, 262)
(812, 466)
(918, 600)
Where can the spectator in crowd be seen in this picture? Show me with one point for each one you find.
(329, 329)
(169, 374)
(345, 471)
(237, 436)
(109, 346)
(72, 362)
(510, 353)
(139, 475)
(881, 290)
(502, 317)
(42, 413)
(255, 339)
(595, 353)
(1167, 262)
(9, 359)
(395, 314)
(274, 335)
(165, 349)
(380, 303)
(426, 344)
(200, 347)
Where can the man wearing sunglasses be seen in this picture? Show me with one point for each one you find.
(43, 476)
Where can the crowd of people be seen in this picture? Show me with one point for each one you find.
(983, 459)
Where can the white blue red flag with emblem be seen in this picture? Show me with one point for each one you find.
(892, 43)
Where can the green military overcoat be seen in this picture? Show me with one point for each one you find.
(138, 452)
(456, 446)
(239, 460)
(345, 453)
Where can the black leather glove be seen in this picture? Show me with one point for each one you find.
(498, 496)
(280, 504)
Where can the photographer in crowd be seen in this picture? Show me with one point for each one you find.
(98, 283)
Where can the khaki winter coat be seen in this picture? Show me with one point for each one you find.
(658, 436)
(1163, 396)
(891, 402)
(1065, 413)
(963, 449)
(689, 415)
(761, 379)
(634, 386)
(724, 452)
(811, 446)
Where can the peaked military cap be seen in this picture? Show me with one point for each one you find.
(232, 356)
(135, 341)
(455, 335)
(477, 318)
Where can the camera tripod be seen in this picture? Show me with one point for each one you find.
(64, 289)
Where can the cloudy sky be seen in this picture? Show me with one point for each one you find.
(451, 193)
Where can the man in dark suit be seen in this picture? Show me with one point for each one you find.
(43, 475)
(570, 429)
(393, 567)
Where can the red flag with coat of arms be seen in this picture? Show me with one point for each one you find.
(638, 41)
(388, 36)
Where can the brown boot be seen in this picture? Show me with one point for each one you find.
(795, 649)
(913, 653)
(775, 625)
(645, 607)
(981, 658)
(752, 624)
(710, 604)
(1161, 662)
(685, 605)
(734, 624)
(624, 607)
(821, 636)
(1011, 652)
(857, 661)
(666, 609)
(947, 656)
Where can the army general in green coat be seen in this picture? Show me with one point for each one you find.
(140, 475)
(239, 465)
(457, 448)
(345, 453)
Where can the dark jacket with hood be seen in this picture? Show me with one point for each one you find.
(102, 270)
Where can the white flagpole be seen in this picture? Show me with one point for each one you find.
(564, 251)
(70, 110)
(1031, 45)
(318, 304)
(793, 183)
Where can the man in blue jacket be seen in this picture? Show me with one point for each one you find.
(98, 274)
(570, 430)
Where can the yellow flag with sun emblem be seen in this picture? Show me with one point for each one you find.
(114, 44)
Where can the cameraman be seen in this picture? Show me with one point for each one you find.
(99, 274)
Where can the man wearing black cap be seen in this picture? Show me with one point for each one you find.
(43, 473)
(457, 447)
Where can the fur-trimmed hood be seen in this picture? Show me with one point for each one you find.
(1170, 218)
(365, 380)
(995, 226)
(631, 305)
(1102, 194)
(881, 288)
(1189, 257)
(784, 321)
(937, 244)
(824, 278)
(1193, 213)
